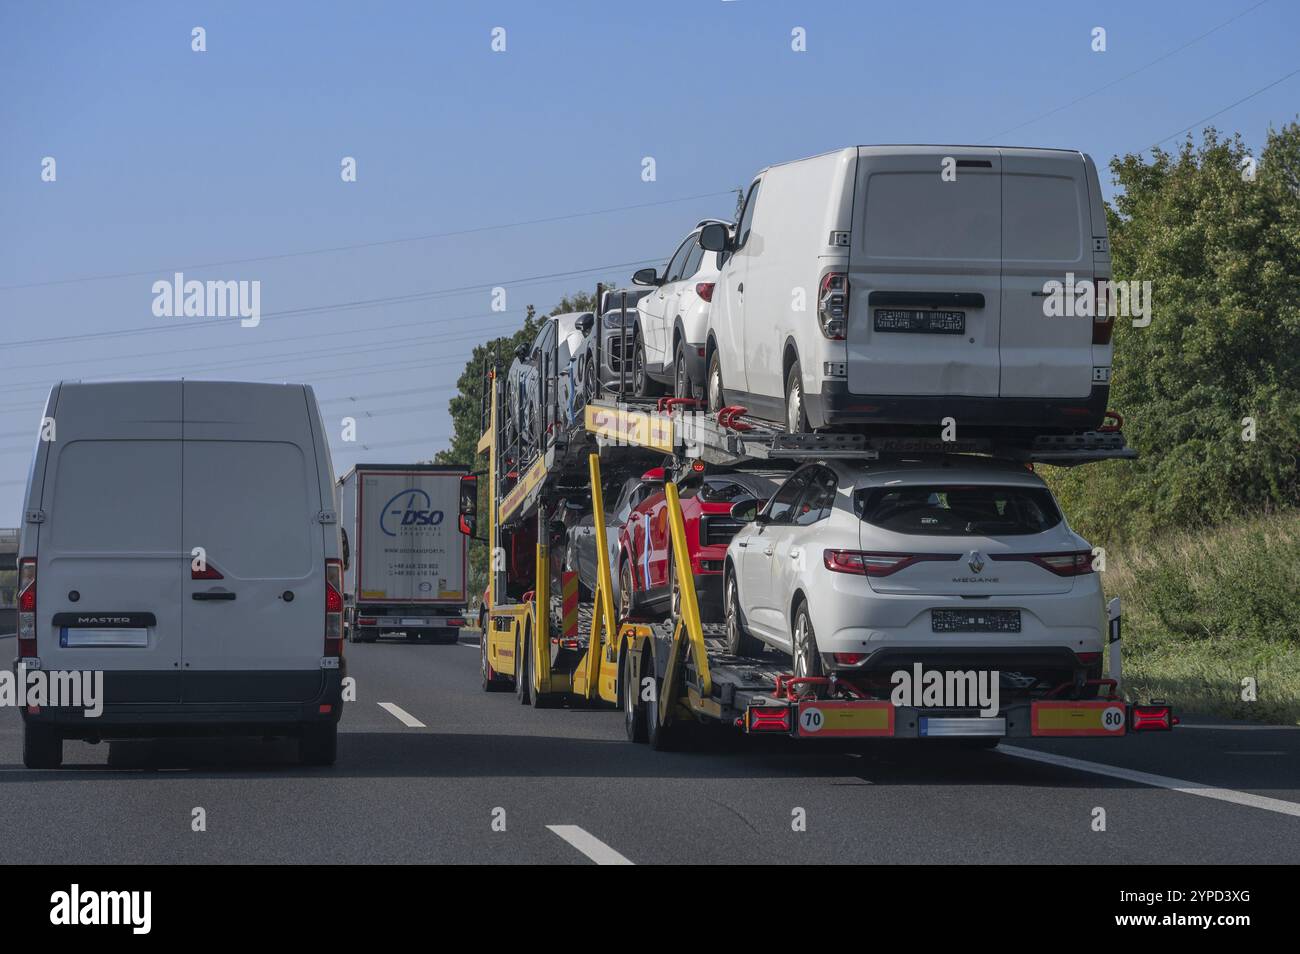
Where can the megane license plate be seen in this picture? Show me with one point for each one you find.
(975, 621)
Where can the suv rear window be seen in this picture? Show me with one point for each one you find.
(958, 510)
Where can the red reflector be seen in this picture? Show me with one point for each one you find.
(848, 659)
(570, 644)
(325, 708)
(207, 573)
(698, 466)
(704, 290)
(456, 622)
(769, 719)
(1153, 719)
(1088, 658)
(366, 622)
(33, 710)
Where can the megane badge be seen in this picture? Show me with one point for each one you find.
(976, 562)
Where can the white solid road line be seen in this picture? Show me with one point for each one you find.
(402, 716)
(1158, 781)
(589, 845)
(1239, 728)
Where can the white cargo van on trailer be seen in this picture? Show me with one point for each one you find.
(899, 285)
(180, 537)
(404, 556)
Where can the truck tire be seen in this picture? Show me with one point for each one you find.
(42, 746)
(523, 678)
(319, 744)
(673, 737)
(634, 712)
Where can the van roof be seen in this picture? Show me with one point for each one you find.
(920, 145)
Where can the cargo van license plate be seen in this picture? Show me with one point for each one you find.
(975, 621)
(917, 321)
(77, 637)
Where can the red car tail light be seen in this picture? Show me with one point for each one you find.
(867, 563)
(1074, 563)
(704, 290)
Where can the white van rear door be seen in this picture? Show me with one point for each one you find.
(252, 501)
(109, 562)
(925, 267)
(1046, 236)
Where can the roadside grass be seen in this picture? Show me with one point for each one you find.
(1204, 610)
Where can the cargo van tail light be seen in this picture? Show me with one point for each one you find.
(1076, 563)
(866, 563)
(833, 305)
(333, 607)
(704, 290)
(26, 608)
(1103, 322)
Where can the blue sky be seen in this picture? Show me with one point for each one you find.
(169, 159)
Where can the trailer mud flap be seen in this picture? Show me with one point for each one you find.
(840, 720)
(1102, 717)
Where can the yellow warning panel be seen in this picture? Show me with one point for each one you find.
(1102, 717)
(630, 427)
(862, 719)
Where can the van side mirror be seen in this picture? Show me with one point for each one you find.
(586, 323)
(745, 510)
(713, 238)
(646, 276)
(468, 504)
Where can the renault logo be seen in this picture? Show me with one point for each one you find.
(976, 562)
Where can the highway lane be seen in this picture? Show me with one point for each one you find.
(419, 780)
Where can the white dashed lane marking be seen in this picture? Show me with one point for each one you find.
(589, 845)
(401, 715)
(1158, 781)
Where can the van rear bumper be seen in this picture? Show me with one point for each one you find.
(836, 406)
(221, 704)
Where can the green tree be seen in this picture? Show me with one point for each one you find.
(1221, 248)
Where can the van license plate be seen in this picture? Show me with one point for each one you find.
(975, 621)
(917, 321)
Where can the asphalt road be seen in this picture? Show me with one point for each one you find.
(571, 790)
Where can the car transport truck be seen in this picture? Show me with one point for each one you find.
(404, 559)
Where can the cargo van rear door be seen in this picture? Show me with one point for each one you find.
(1046, 236)
(109, 562)
(254, 625)
(925, 267)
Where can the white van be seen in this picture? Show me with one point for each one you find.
(898, 285)
(180, 537)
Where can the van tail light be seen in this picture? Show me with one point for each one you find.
(865, 563)
(1075, 563)
(833, 305)
(26, 608)
(1103, 322)
(333, 607)
(704, 290)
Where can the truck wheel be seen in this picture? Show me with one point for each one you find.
(42, 747)
(492, 680)
(626, 591)
(796, 419)
(523, 680)
(634, 715)
(319, 744)
(739, 642)
(662, 738)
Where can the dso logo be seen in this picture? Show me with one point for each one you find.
(417, 512)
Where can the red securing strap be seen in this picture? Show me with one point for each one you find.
(1111, 428)
(727, 417)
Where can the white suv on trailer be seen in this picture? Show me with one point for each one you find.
(866, 568)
